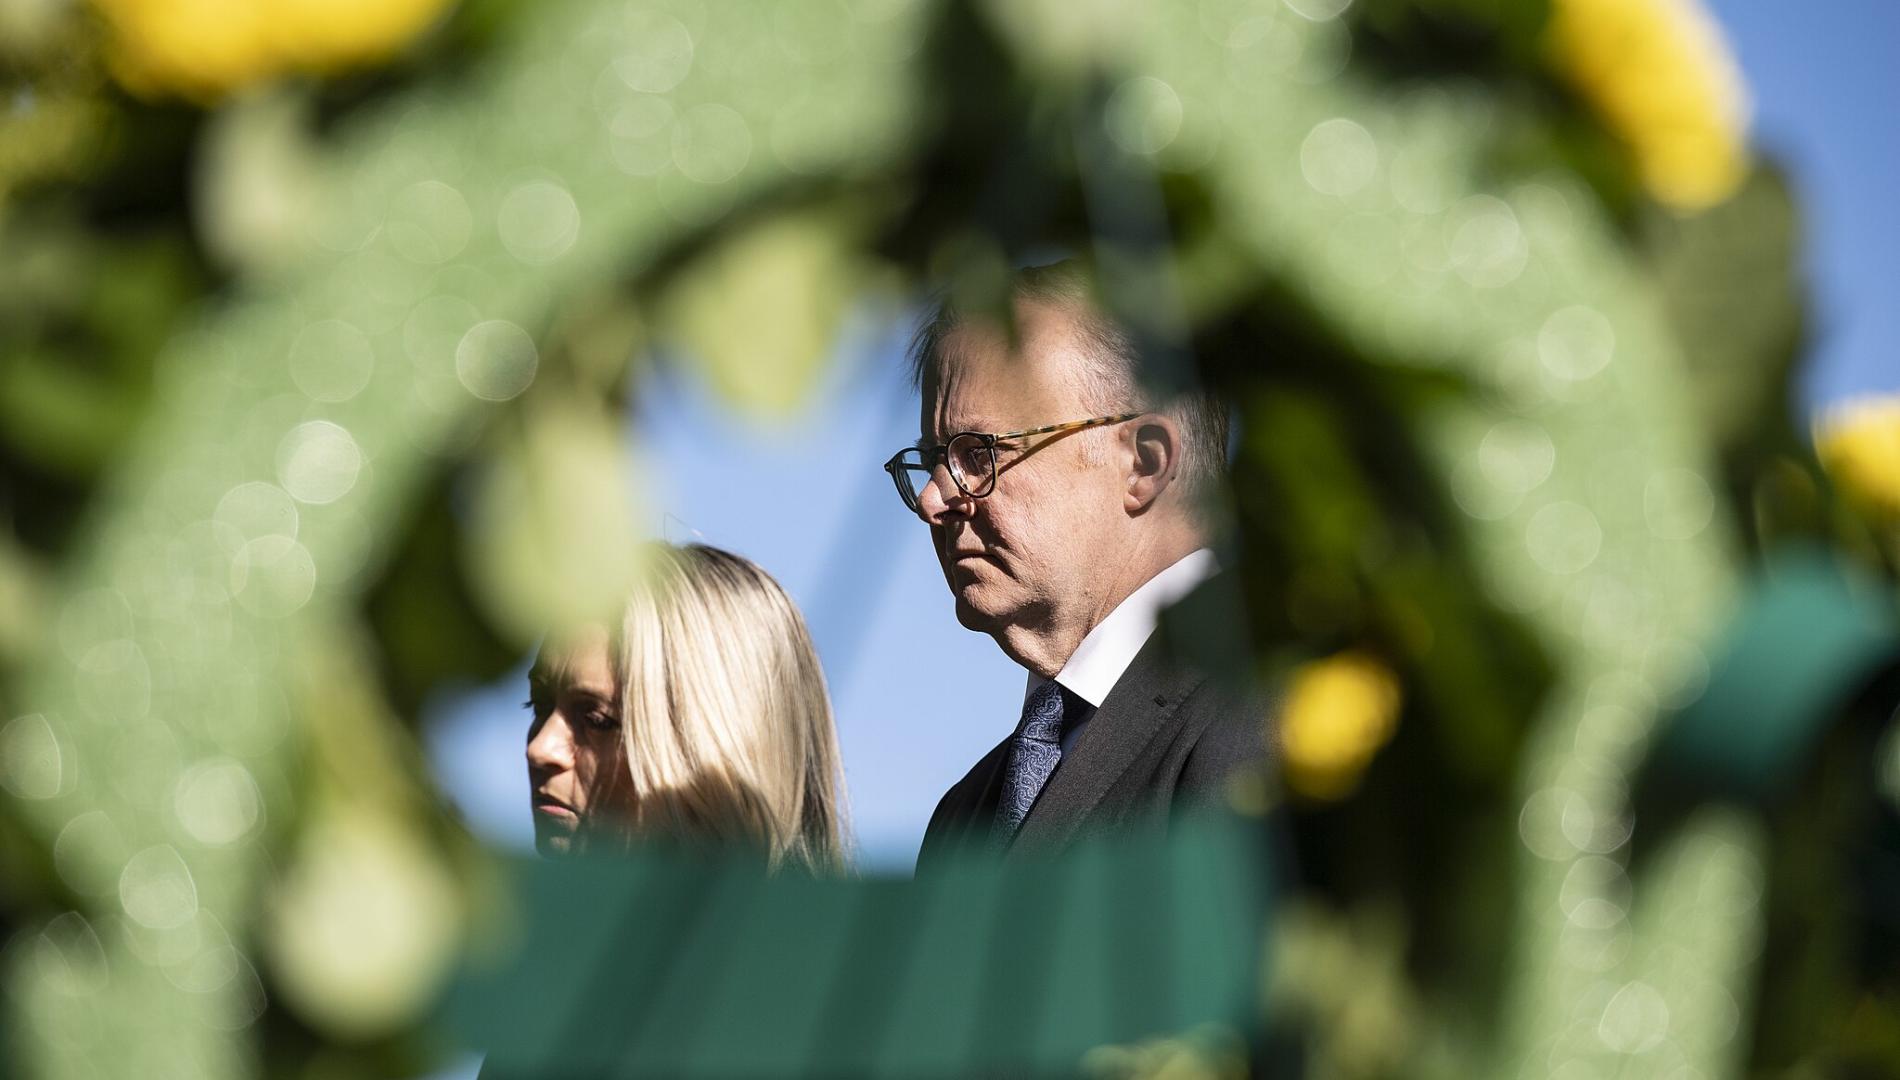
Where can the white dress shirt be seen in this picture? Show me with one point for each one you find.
(1098, 663)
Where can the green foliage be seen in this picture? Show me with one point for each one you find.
(290, 385)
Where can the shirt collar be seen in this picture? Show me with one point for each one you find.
(1098, 663)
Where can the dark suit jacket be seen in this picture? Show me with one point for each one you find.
(1166, 738)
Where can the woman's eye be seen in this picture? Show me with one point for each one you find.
(601, 721)
(536, 706)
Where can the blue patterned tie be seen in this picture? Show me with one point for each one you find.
(1033, 753)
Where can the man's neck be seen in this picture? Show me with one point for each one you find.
(1044, 647)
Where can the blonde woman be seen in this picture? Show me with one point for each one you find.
(697, 713)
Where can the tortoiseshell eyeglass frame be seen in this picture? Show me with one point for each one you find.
(924, 458)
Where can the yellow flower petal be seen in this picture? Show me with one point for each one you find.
(1859, 445)
(204, 49)
(1339, 711)
(1663, 80)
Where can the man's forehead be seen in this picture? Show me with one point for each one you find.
(984, 378)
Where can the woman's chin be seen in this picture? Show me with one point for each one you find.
(552, 840)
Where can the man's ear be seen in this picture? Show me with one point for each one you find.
(1153, 460)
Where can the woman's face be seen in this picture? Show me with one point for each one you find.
(577, 764)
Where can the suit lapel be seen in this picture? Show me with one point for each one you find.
(1140, 705)
(982, 820)
(965, 822)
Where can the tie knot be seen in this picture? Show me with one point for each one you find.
(1042, 714)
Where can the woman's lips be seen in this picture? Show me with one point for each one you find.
(555, 811)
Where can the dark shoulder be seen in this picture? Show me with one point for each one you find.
(1225, 729)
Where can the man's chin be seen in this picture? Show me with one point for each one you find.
(974, 613)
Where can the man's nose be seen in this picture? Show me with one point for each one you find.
(551, 750)
(941, 500)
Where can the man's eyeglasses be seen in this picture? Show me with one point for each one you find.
(970, 458)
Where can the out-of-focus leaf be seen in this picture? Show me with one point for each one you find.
(554, 540)
(1340, 973)
(677, 967)
(1067, 39)
(1731, 288)
(81, 319)
(257, 184)
(23, 602)
(1809, 636)
(761, 311)
(364, 923)
(52, 134)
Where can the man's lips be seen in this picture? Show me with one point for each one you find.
(963, 564)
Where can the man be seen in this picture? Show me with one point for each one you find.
(1066, 510)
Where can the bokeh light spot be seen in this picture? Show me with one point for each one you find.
(640, 135)
(31, 762)
(273, 576)
(496, 360)
(88, 853)
(217, 802)
(1540, 823)
(331, 361)
(1564, 537)
(428, 222)
(1678, 671)
(658, 54)
(1339, 157)
(93, 617)
(69, 958)
(318, 462)
(1516, 456)
(1144, 115)
(116, 681)
(711, 144)
(1595, 893)
(1487, 246)
(1478, 497)
(254, 510)
(156, 889)
(1575, 343)
(1677, 504)
(1635, 1020)
(1318, 10)
(538, 221)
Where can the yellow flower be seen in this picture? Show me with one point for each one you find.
(1662, 78)
(1339, 711)
(1859, 444)
(204, 49)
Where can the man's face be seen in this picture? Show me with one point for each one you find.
(1022, 557)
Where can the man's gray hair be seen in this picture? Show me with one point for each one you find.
(1112, 381)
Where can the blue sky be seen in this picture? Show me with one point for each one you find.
(1823, 88)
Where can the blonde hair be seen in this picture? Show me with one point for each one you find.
(724, 712)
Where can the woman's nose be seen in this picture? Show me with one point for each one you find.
(551, 749)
